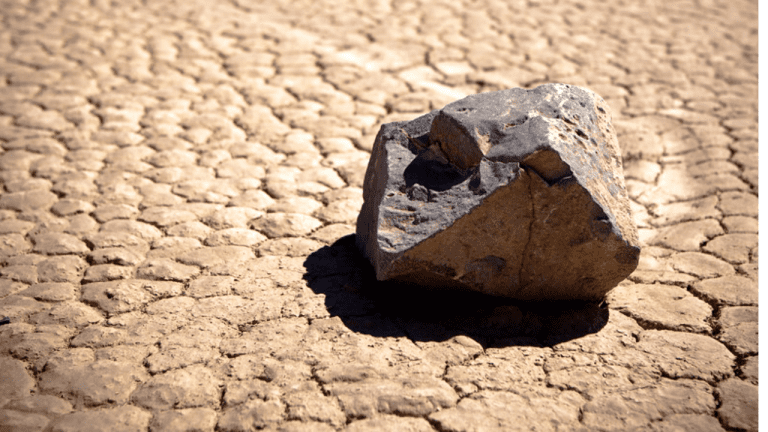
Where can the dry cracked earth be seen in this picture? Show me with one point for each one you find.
(180, 179)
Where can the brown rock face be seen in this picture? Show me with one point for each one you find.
(517, 193)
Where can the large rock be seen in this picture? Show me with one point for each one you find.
(518, 193)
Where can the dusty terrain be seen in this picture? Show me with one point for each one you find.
(180, 179)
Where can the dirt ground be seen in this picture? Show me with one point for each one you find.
(180, 180)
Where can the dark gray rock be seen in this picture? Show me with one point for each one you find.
(517, 193)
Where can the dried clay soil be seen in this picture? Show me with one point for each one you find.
(181, 178)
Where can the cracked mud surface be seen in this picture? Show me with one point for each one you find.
(180, 180)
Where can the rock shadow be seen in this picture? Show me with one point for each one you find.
(390, 309)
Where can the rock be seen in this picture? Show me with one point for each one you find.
(517, 193)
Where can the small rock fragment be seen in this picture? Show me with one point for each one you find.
(518, 193)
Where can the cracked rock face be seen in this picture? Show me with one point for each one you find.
(518, 193)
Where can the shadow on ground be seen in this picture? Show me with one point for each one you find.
(386, 309)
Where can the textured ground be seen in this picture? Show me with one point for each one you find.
(176, 176)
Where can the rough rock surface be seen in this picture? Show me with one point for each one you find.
(518, 193)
